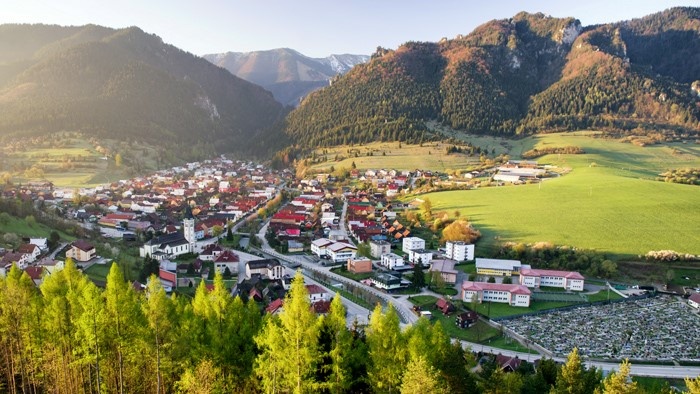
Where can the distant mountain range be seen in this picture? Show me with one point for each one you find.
(127, 84)
(530, 73)
(286, 73)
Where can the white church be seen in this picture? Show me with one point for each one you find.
(169, 246)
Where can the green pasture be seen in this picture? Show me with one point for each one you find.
(11, 224)
(609, 201)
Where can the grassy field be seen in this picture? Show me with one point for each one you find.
(609, 201)
(20, 227)
(390, 155)
(72, 161)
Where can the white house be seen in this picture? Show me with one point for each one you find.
(460, 251)
(42, 243)
(319, 246)
(391, 261)
(410, 243)
(422, 255)
(270, 268)
(226, 259)
(341, 252)
(536, 278)
(515, 295)
(318, 293)
(386, 281)
(694, 300)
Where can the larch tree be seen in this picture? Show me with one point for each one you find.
(386, 350)
(693, 385)
(338, 348)
(157, 309)
(619, 382)
(296, 337)
(421, 378)
(573, 378)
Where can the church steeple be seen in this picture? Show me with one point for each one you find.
(188, 226)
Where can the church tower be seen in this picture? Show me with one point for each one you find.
(188, 227)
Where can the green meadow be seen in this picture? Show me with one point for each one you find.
(607, 200)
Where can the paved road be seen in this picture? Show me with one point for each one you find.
(663, 371)
(406, 315)
(58, 249)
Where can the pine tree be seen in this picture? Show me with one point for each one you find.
(418, 275)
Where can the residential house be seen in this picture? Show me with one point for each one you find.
(359, 265)
(411, 243)
(50, 265)
(536, 278)
(391, 261)
(507, 363)
(32, 251)
(445, 306)
(319, 246)
(226, 260)
(694, 300)
(386, 281)
(275, 307)
(268, 268)
(36, 274)
(81, 251)
(511, 294)
(459, 251)
(467, 319)
(447, 270)
(340, 252)
(42, 243)
(379, 248)
(318, 293)
(420, 255)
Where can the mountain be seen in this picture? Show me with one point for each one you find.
(530, 73)
(286, 73)
(128, 84)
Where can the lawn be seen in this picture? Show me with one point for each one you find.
(609, 202)
(98, 272)
(496, 309)
(356, 277)
(602, 296)
(11, 224)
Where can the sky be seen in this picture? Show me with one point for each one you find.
(315, 28)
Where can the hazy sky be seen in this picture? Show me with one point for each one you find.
(313, 27)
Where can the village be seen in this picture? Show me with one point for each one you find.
(256, 226)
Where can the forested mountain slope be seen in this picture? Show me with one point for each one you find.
(526, 74)
(128, 84)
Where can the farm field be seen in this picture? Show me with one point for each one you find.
(608, 202)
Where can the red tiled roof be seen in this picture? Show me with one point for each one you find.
(561, 274)
(695, 297)
(274, 306)
(83, 245)
(315, 289)
(480, 286)
(321, 306)
(34, 273)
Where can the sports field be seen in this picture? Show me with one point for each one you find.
(609, 201)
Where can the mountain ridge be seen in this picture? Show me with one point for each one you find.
(287, 73)
(529, 73)
(130, 84)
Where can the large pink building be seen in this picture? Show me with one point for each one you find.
(511, 294)
(536, 278)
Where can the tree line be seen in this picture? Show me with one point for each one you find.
(68, 335)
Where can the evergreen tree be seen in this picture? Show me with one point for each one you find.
(418, 275)
(157, 310)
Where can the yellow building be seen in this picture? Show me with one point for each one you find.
(496, 267)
